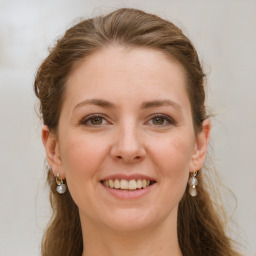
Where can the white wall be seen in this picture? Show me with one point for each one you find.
(224, 33)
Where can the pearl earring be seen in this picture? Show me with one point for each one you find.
(192, 184)
(61, 188)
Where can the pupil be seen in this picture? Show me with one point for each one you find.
(97, 120)
(158, 120)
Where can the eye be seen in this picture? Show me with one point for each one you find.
(161, 120)
(158, 120)
(94, 120)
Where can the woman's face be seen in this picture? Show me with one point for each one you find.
(126, 122)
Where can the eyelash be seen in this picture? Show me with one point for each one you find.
(168, 120)
(90, 118)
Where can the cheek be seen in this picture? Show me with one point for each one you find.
(172, 157)
(81, 156)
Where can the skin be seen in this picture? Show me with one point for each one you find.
(127, 139)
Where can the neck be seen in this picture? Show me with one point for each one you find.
(161, 240)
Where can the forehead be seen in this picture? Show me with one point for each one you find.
(116, 70)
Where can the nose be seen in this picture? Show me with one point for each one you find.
(128, 145)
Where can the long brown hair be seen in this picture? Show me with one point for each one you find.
(200, 230)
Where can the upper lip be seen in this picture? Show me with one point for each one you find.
(128, 177)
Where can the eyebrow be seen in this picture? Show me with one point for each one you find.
(160, 103)
(97, 102)
(144, 105)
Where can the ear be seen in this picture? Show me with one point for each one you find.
(52, 149)
(201, 145)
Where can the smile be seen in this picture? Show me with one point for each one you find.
(124, 184)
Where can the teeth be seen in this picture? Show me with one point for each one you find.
(132, 184)
(116, 184)
(125, 184)
(139, 183)
(111, 183)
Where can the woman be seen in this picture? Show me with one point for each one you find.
(126, 134)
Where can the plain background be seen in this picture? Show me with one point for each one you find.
(224, 34)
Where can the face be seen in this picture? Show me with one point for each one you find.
(126, 142)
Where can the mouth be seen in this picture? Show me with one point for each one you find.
(128, 185)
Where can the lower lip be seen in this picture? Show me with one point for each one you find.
(128, 194)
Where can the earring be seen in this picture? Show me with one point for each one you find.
(61, 188)
(192, 184)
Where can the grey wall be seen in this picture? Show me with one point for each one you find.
(223, 32)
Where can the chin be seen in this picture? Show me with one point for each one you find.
(130, 220)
